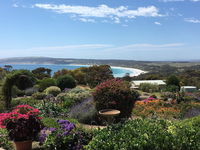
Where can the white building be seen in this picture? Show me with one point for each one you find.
(188, 89)
(136, 83)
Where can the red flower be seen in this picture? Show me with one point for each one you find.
(21, 111)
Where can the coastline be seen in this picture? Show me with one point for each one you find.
(134, 71)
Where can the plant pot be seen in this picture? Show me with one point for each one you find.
(23, 145)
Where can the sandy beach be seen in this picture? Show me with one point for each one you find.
(134, 72)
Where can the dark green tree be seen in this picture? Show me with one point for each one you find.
(21, 78)
(66, 81)
(42, 72)
(98, 74)
(173, 80)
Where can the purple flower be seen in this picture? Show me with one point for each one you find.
(63, 122)
(66, 133)
(52, 129)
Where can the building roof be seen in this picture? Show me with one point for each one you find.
(189, 87)
(138, 82)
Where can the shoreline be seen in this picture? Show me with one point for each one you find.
(133, 71)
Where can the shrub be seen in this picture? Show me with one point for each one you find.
(30, 91)
(54, 90)
(21, 78)
(17, 92)
(24, 101)
(148, 87)
(84, 112)
(115, 94)
(141, 134)
(66, 81)
(39, 95)
(167, 95)
(45, 83)
(4, 140)
(73, 96)
(51, 109)
(64, 137)
(172, 88)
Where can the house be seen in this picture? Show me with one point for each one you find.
(188, 89)
(136, 83)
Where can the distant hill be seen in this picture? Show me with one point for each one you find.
(145, 65)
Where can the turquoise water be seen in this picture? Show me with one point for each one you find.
(117, 72)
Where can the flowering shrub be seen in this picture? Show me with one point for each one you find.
(54, 90)
(115, 94)
(64, 137)
(156, 108)
(23, 123)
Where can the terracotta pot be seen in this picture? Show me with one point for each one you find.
(23, 145)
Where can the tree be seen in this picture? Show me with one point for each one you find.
(98, 74)
(78, 74)
(8, 67)
(173, 80)
(66, 81)
(21, 78)
(42, 72)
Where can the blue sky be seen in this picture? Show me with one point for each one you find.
(101, 29)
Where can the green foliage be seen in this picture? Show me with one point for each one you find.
(66, 81)
(31, 91)
(148, 87)
(141, 134)
(171, 88)
(173, 80)
(42, 72)
(98, 74)
(115, 94)
(78, 74)
(74, 96)
(54, 90)
(39, 95)
(2, 106)
(50, 122)
(21, 78)
(45, 83)
(24, 101)
(4, 140)
(167, 95)
(2, 73)
(17, 92)
(52, 107)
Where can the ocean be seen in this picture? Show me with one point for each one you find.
(117, 71)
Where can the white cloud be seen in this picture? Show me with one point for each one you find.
(102, 11)
(15, 5)
(144, 47)
(69, 47)
(195, 0)
(87, 20)
(192, 20)
(157, 23)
